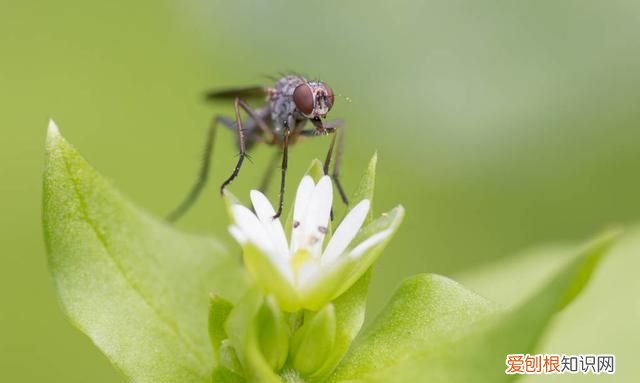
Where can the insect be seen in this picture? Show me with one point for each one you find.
(280, 122)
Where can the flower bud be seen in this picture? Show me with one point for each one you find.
(313, 342)
(273, 334)
(219, 309)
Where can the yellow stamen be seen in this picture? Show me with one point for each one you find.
(301, 257)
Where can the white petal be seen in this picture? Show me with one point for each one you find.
(323, 276)
(320, 277)
(274, 228)
(253, 230)
(369, 243)
(250, 226)
(261, 205)
(308, 272)
(346, 231)
(237, 234)
(303, 197)
(315, 222)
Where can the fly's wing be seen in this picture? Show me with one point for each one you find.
(246, 93)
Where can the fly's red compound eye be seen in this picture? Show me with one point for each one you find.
(303, 98)
(329, 94)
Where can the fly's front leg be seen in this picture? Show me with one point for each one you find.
(283, 169)
(203, 174)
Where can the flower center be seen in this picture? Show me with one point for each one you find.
(304, 266)
(299, 259)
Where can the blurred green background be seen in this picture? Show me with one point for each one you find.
(499, 125)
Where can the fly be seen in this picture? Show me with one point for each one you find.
(280, 122)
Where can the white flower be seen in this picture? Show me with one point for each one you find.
(299, 273)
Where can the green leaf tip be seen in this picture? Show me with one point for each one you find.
(52, 130)
(53, 140)
(581, 269)
(131, 283)
(367, 184)
(315, 169)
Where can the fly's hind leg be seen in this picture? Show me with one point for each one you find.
(241, 104)
(337, 142)
(336, 164)
(203, 173)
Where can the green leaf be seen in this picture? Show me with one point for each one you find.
(367, 184)
(228, 360)
(425, 310)
(602, 319)
(315, 170)
(434, 330)
(135, 285)
(222, 375)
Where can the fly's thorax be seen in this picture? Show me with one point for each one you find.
(281, 101)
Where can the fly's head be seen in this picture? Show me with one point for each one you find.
(313, 99)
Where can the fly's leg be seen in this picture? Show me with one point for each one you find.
(285, 160)
(203, 174)
(337, 143)
(339, 133)
(239, 103)
(268, 133)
